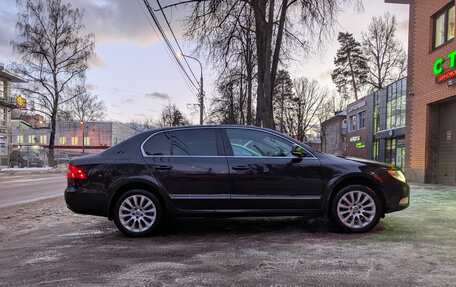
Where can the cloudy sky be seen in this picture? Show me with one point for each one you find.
(135, 76)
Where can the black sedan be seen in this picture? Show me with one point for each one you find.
(229, 171)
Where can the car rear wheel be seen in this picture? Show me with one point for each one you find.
(137, 213)
(356, 208)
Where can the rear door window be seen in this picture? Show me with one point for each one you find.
(194, 142)
(159, 144)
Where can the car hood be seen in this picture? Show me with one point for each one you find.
(364, 161)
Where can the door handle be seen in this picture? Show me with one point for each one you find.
(240, 167)
(163, 167)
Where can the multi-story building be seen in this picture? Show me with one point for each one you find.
(386, 127)
(7, 102)
(357, 135)
(431, 95)
(333, 133)
(69, 137)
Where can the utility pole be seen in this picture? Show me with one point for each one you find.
(201, 91)
(83, 146)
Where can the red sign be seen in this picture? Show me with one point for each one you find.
(448, 75)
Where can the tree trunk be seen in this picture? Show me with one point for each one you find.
(355, 88)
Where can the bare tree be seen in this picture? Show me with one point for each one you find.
(387, 60)
(54, 55)
(86, 108)
(276, 23)
(171, 116)
(301, 113)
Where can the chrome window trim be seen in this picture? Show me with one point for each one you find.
(230, 156)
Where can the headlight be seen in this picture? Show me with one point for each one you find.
(397, 174)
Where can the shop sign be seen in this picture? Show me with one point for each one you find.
(356, 106)
(438, 70)
(360, 145)
(355, 139)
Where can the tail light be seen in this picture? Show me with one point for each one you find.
(75, 172)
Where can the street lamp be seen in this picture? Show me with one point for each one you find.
(83, 126)
(201, 95)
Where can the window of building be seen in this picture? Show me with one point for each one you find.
(3, 117)
(395, 109)
(362, 120)
(3, 145)
(444, 22)
(395, 152)
(74, 140)
(62, 140)
(375, 151)
(20, 139)
(352, 123)
(31, 138)
(86, 140)
(2, 89)
(43, 139)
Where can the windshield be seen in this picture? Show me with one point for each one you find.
(30, 154)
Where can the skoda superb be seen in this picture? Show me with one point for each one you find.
(229, 171)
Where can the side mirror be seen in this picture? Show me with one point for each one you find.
(298, 151)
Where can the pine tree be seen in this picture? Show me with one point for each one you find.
(351, 66)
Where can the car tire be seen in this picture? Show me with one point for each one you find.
(355, 209)
(138, 213)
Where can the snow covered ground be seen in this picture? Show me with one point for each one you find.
(45, 168)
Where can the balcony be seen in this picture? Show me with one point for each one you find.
(8, 103)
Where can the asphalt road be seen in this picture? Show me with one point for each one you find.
(42, 243)
(24, 188)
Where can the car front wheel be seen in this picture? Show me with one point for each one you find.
(137, 213)
(356, 208)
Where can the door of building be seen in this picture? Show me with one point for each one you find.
(447, 143)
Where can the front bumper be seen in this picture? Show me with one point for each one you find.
(397, 196)
(84, 201)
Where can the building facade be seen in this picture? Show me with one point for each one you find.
(333, 133)
(69, 137)
(7, 103)
(387, 124)
(431, 96)
(357, 115)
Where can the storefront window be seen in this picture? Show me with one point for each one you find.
(395, 152)
(375, 151)
(444, 23)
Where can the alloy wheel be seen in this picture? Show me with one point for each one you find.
(356, 209)
(137, 213)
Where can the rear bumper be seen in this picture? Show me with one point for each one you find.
(83, 201)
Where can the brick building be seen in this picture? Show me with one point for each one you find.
(357, 115)
(431, 95)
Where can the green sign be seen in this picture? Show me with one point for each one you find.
(437, 65)
(360, 145)
(355, 139)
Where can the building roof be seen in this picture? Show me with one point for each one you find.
(10, 76)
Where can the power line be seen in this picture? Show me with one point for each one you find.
(185, 77)
(175, 39)
(167, 42)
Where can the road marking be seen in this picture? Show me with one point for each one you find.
(34, 179)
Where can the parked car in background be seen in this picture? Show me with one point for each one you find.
(25, 159)
(61, 159)
(229, 171)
